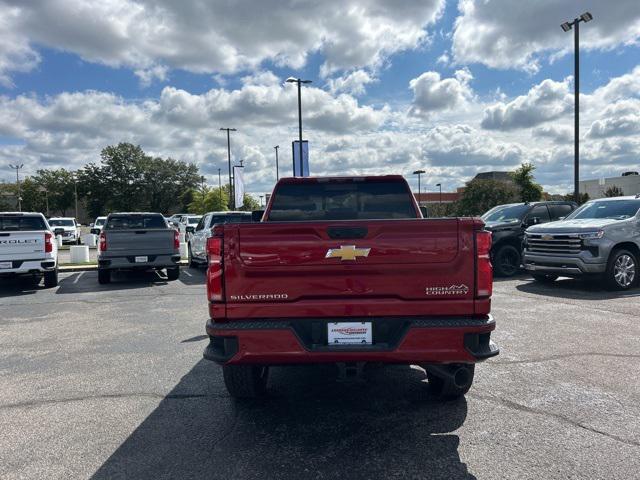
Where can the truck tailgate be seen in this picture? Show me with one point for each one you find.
(21, 245)
(143, 242)
(349, 268)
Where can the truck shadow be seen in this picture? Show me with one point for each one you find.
(19, 285)
(193, 276)
(311, 425)
(577, 289)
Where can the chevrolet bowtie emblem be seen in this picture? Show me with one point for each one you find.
(347, 252)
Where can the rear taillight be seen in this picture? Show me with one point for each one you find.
(215, 274)
(48, 242)
(484, 272)
(176, 240)
(102, 244)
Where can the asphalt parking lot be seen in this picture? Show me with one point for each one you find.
(108, 381)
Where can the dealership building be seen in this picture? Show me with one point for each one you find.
(628, 182)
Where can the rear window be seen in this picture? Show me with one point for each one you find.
(126, 222)
(61, 223)
(351, 200)
(21, 224)
(218, 219)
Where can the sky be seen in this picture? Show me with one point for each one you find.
(450, 87)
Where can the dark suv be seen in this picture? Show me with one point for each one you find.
(508, 223)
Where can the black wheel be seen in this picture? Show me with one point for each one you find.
(173, 273)
(192, 262)
(544, 278)
(622, 270)
(51, 278)
(506, 261)
(245, 381)
(104, 276)
(454, 386)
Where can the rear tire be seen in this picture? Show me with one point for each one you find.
(51, 279)
(104, 276)
(246, 381)
(173, 273)
(543, 278)
(192, 262)
(622, 270)
(446, 388)
(507, 261)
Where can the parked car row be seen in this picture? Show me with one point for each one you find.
(550, 239)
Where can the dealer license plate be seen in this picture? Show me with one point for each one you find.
(142, 259)
(5, 265)
(349, 333)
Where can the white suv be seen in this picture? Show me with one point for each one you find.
(28, 247)
(67, 227)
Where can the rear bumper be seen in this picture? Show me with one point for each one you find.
(561, 265)
(395, 340)
(129, 262)
(19, 267)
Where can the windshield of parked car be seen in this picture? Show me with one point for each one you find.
(217, 219)
(100, 222)
(342, 200)
(193, 220)
(61, 223)
(614, 209)
(21, 224)
(125, 222)
(506, 213)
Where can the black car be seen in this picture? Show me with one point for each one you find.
(508, 223)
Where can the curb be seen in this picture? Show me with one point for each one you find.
(88, 268)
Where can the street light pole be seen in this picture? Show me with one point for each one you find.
(419, 172)
(17, 169)
(220, 186)
(277, 174)
(566, 26)
(231, 202)
(440, 200)
(299, 82)
(75, 192)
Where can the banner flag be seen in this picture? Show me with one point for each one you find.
(238, 176)
(296, 158)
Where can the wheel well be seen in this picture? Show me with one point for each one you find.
(632, 247)
(511, 242)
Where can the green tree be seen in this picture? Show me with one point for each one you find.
(613, 191)
(250, 203)
(481, 195)
(528, 190)
(582, 198)
(60, 190)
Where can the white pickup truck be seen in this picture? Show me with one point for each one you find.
(28, 247)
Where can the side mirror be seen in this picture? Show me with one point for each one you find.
(561, 218)
(532, 221)
(425, 212)
(91, 224)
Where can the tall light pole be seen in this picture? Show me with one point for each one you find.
(231, 202)
(46, 198)
(75, 193)
(419, 172)
(261, 197)
(277, 174)
(220, 185)
(440, 200)
(17, 169)
(299, 82)
(566, 26)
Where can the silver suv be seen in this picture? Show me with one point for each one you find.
(601, 237)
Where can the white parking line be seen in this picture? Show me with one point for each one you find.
(75, 280)
(187, 273)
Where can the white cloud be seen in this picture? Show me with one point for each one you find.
(353, 83)
(216, 36)
(514, 34)
(546, 101)
(619, 119)
(559, 134)
(431, 93)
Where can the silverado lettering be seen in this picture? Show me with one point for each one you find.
(354, 255)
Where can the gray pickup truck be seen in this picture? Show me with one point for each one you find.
(138, 241)
(601, 238)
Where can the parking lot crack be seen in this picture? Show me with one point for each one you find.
(562, 418)
(109, 396)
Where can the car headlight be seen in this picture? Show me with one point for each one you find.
(592, 235)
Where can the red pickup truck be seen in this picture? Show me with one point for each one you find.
(345, 270)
